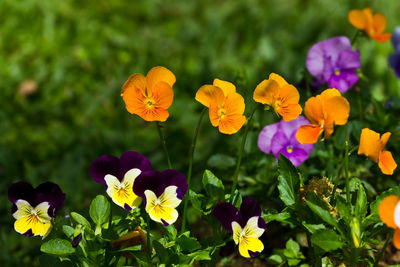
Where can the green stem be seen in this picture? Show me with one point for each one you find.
(148, 238)
(346, 163)
(354, 39)
(241, 148)
(189, 174)
(164, 144)
(378, 258)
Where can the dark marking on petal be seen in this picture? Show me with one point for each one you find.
(28, 233)
(127, 207)
(226, 213)
(248, 209)
(179, 193)
(164, 222)
(254, 254)
(261, 223)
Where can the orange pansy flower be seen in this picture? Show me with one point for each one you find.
(389, 212)
(323, 111)
(283, 97)
(150, 96)
(226, 106)
(374, 25)
(372, 145)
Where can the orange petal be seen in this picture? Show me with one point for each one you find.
(231, 124)
(379, 22)
(137, 81)
(208, 93)
(308, 134)
(329, 93)
(159, 74)
(328, 130)
(386, 210)
(291, 112)
(214, 114)
(154, 114)
(163, 95)
(134, 100)
(265, 91)
(368, 19)
(370, 144)
(357, 19)
(396, 238)
(386, 163)
(337, 109)
(234, 104)
(384, 138)
(289, 95)
(313, 110)
(383, 37)
(226, 87)
(278, 78)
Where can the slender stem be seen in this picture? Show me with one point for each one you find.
(148, 237)
(354, 39)
(378, 258)
(189, 174)
(164, 144)
(241, 148)
(346, 163)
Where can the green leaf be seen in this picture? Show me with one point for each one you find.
(344, 209)
(100, 210)
(319, 207)
(292, 249)
(275, 259)
(80, 219)
(280, 217)
(68, 230)
(196, 200)
(312, 228)
(171, 231)
(361, 204)
(213, 186)
(288, 181)
(188, 244)
(326, 262)
(57, 246)
(161, 251)
(327, 239)
(201, 255)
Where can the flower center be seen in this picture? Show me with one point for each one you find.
(337, 72)
(289, 149)
(221, 113)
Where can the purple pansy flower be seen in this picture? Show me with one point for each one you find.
(246, 225)
(119, 174)
(394, 59)
(334, 62)
(163, 192)
(281, 138)
(33, 208)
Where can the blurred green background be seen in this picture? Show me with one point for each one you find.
(62, 65)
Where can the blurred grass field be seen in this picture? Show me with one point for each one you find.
(62, 65)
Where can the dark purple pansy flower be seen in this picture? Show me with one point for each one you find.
(281, 138)
(246, 225)
(334, 62)
(394, 59)
(33, 208)
(119, 174)
(163, 192)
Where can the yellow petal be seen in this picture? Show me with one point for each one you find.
(250, 244)
(225, 86)
(31, 222)
(169, 197)
(121, 193)
(237, 232)
(251, 229)
(157, 212)
(209, 93)
(23, 209)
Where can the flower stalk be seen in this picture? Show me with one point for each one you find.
(189, 174)
(164, 144)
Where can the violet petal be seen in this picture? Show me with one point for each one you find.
(131, 159)
(51, 193)
(248, 209)
(226, 213)
(265, 137)
(106, 164)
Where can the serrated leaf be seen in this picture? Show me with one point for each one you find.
(80, 219)
(319, 207)
(57, 246)
(100, 210)
(188, 244)
(288, 181)
(213, 185)
(327, 239)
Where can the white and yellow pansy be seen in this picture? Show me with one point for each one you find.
(31, 218)
(246, 225)
(247, 237)
(34, 208)
(121, 192)
(162, 209)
